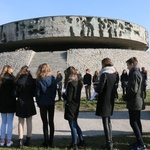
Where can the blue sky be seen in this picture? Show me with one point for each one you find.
(136, 11)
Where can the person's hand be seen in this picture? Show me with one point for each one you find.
(93, 96)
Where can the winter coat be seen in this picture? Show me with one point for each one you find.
(124, 80)
(46, 91)
(87, 79)
(7, 98)
(72, 98)
(106, 94)
(59, 82)
(25, 88)
(134, 95)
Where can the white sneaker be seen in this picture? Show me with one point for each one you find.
(9, 143)
(2, 142)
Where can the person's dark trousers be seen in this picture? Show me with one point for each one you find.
(59, 94)
(144, 92)
(44, 112)
(88, 92)
(135, 122)
(108, 132)
(75, 131)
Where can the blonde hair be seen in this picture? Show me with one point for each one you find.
(43, 71)
(4, 70)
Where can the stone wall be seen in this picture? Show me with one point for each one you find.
(16, 59)
(91, 58)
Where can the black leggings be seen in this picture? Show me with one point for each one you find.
(135, 122)
(107, 129)
(44, 112)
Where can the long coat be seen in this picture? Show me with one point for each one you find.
(7, 98)
(25, 88)
(106, 94)
(72, 98)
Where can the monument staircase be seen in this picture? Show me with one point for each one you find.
(56, 59)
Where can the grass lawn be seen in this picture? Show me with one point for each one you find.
(121, 142)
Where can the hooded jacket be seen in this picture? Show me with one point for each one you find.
(46, 91)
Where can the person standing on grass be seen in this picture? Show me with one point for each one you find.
(7, 105)
(124, 81)
(25, 107)
(87, 81)
(135, 102)
(59, 79)
(45, 98)
(72, 97)
(106, 90)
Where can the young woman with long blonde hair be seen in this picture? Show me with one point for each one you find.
(7, 104)
(45, 98)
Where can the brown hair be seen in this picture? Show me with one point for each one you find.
(132, 60)
(70, 74)
(106, 62)
(23, 70)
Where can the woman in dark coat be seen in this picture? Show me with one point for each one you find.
(106, 94)
(25, 107)
(124, 81)
(72, 97)
(45, 98)
(59, 84)
(7, 104)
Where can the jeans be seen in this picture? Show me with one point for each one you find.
(88, 92)
(7, 120)
(44, 112)
(75, 131)
(135, 122)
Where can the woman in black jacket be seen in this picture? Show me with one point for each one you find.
(7, 104)
(72, 97)
(124, 81)
(106, 93)
(25, 107)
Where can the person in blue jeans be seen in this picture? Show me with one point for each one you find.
(7, 105)
(72, 97)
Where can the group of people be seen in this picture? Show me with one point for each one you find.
(16, 96)
(88, 80)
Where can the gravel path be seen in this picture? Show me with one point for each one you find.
(90, 124)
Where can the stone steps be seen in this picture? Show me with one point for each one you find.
(56, 60)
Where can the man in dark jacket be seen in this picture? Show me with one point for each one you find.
(135, 102)
(87, 79)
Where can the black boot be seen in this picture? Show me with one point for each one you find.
(81, 144)
(75, 147)
(20, 145)
(109, 145)
(27, 142)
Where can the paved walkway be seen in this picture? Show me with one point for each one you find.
(89, 123)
